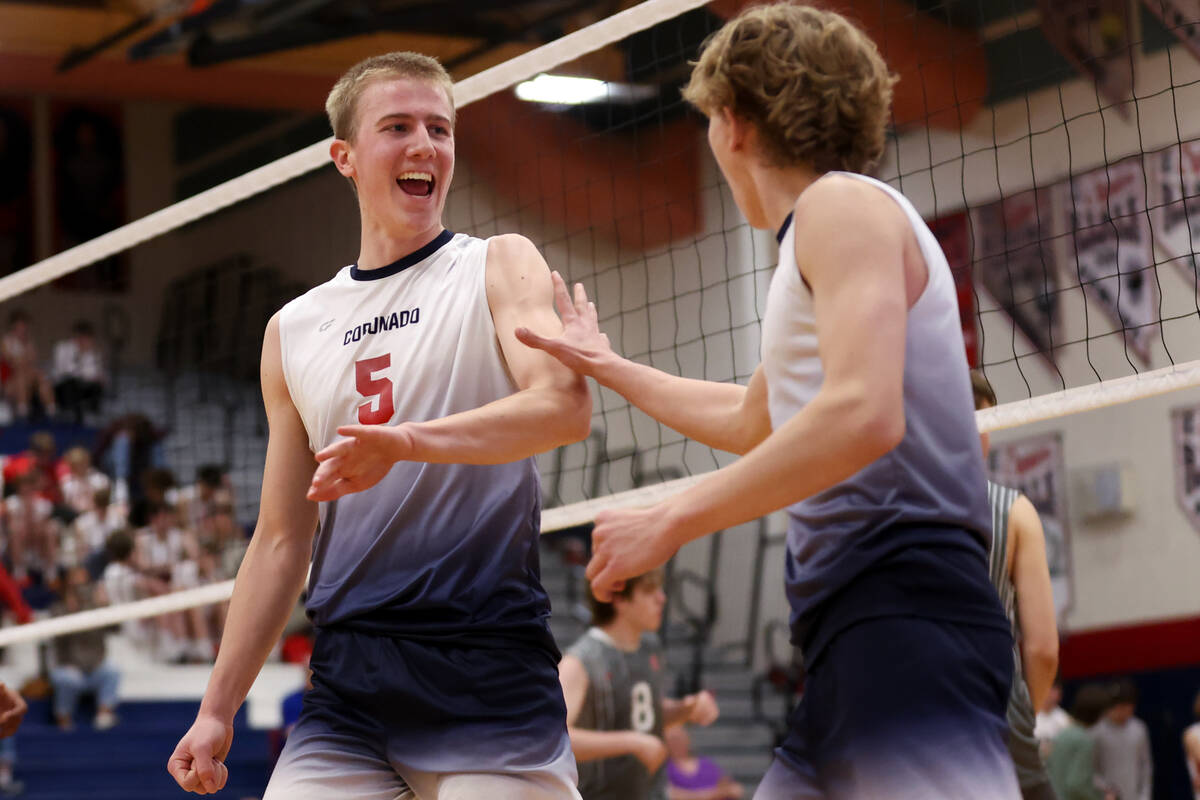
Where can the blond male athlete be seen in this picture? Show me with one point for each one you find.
(434, 671)
(859, 421)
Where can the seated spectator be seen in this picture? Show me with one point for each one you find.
(33, 539)
(92, 529)
(79, 375)
(39, 460)
(1072, 759)
(25, 385)
(171, 554)
(211, 492)
(1051, 719)
(80, 664)
(691, 777)
(79, 480)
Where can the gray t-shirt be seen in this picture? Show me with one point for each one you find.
(625, 692)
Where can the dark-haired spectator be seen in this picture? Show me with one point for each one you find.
(80, 664)
(1123, 746)
(25, 384)
(129, 446)
(1072, 759)
(92, 529)
(79, 375)
(211, 493)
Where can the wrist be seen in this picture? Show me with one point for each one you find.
(681, 525)
(607, 371)
(220, 711)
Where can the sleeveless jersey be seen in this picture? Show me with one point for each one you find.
(625, 692)
(928, 491)
(445, 551)
(1022, 720)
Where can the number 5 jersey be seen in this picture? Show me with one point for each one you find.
(448, 551)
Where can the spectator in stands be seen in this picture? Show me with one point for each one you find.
(79, 376)
(618, 745)
(123, 583)
(92, 529)
(1123, 746)
(1051, 719)
(32, 547)
(171, 554)
(691, 777)
(1191, 747)
(200, 501)
(1072, 759)
(130, 445)
(79, 480)
(25, 384)
(40, 461)
(9, 786)
(80, 664)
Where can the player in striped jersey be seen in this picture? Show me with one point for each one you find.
(1018, 568)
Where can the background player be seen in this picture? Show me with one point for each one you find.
(859, 421)
(434, 671)
(1017, 564)
(612, 680)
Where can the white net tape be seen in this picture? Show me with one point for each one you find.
(466, 91)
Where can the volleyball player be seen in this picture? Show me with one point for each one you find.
(434, 671)
(1018, 568)
(613, 681)
(859, 421)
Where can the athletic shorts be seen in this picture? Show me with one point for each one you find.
(901, 708)
(394, 718)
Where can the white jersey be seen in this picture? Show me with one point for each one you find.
(432, 545)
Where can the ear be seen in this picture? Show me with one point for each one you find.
(342, 157)
(739, 130)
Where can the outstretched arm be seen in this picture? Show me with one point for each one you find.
(1035, 600)
(268, 583)
(860, 298)
(552, 406)
(726, 416)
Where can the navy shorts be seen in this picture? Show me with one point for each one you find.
(902, 708)
(437, 706)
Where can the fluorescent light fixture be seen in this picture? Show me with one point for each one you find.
(564, 90)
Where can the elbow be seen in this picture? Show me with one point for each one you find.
(877, 429)
(1042, 654)
(575, 414)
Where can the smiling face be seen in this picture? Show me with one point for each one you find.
(401, 158)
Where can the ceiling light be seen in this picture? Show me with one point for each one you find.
(571, 91)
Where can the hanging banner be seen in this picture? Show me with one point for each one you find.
(953, 233)
(1175, 205)
(1185, 424)
(1114, 249)
(1017, 264)
(1034, 467)
(1094, 36)
(1180, 17)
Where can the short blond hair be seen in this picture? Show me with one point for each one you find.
(813, 85)
(342, 104)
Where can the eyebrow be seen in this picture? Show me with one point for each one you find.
(406, 115)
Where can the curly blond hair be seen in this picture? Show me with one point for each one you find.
(342, 104)
(813, 85)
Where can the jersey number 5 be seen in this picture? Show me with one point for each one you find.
(378, 389)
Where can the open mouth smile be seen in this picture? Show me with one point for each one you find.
(417, 184)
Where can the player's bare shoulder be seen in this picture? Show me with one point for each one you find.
(511, 256)
(843, 204)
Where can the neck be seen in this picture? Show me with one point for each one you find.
(624, 634)
(381, 246)
(778, 188)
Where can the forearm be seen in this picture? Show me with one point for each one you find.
(828, 441)
(521, 425)
(676, 711)
(1040, 667)
(591, 745)
(706, 411)
(268, 584)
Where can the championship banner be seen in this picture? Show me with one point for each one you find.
(1114, 248)
(1185, 424)
(1094, 36)
(1017, 264)
(953, 233)
(1034, 467)
(1175, 202)
(1180, 17)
